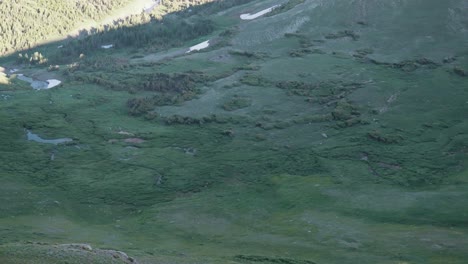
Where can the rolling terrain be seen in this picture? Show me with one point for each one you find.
(234, 132)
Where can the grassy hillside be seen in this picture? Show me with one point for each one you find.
(322, 132)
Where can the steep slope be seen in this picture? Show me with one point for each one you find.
(27, 23)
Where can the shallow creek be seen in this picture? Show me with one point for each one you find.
(34, 137)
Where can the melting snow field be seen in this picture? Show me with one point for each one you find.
(203, 45)
(258, 14)
(39, 85)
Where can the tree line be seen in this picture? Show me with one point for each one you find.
(152, 36)
(27, 23)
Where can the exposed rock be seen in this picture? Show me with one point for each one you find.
(361, 53)
(134, 140)
(384, 138)
(265, 259)
(73, 253)
(461, 72)
(406, 65)
(121, 132)
(343, 34)
(77, 246)
(228, 132)
(300, 52)
(449, 59)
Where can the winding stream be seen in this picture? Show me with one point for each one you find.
(34, 137)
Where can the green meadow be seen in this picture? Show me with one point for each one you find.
(323, 132)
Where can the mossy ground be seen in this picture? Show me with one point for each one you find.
(363, 163)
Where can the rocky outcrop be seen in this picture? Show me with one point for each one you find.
(74, 253)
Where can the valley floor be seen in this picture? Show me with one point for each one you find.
(316, 133)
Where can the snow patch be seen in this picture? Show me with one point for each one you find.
(200, 46)
(52, 83)
(107, 46)
(249, 16)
